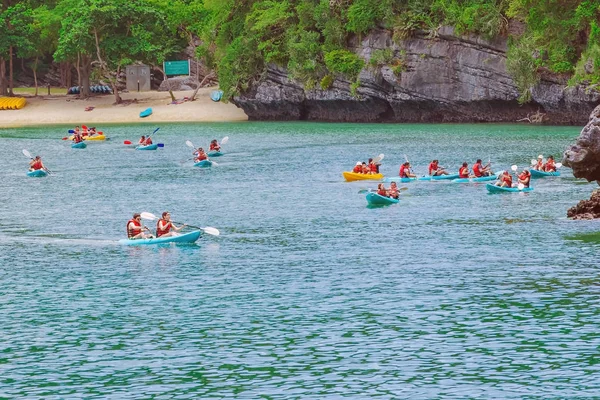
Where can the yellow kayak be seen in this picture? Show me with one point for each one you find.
(353, 176)
(95, 137)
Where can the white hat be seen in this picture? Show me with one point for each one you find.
(540, 156)
(359, 163)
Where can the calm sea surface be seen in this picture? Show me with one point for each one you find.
(307, 293)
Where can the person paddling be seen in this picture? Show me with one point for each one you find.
(435, 169)
(524, 178)
(406, 171)
(550, 165)
(479, 170)
(504, 180)
(463, 171)
(357, 168)
(77, 138)
(214, 146)
(200, 155)
(393, 191)
(365, 168)
(164, 226)
(142, 141)
(539, 165)
(92, 131)
(373, 167)
(381, 190)
(37, 164)
(135, 229)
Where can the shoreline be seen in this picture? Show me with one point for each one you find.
(68, 110)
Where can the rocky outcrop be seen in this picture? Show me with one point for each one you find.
(586, 209)
(446, 78)
(584, 156)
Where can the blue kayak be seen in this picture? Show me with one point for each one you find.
(147, 112)
(185, 238)
(203, 164)
(216, 95)
(480, 179)
(153, 146)
(497, 189)
(38, 173)
(438, 177)
(542, 174)
(214, 153)
(374, 199)
(397, 179)
(80, 145)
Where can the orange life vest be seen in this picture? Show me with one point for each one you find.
(162, 231)
(135, 230)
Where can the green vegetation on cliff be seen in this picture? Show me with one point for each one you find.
(310, 38)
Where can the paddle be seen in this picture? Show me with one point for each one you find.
(191, 145)
(128, 142)
(210, 230)
(70, 131)
(374, 190)
(520, 186)
(28, 154)
(224, 140)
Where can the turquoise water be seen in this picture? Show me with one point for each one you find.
(307, 293)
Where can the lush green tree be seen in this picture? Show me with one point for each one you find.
(16, 33)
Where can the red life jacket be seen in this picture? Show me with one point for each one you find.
(463, 172)
(382, 192)
(148, 141)
(550, 167)
(432, 167)
(136, 230)
(214, 147)
(77, 139)
(357, 169)
(159, 231)
(539, 165)
(201, 156)
(393, 193)
(524, 177)
(402, 172)
(36, 165)
(477, 170)
(507, 179)
(373, 168)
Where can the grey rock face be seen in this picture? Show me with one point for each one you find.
(446, 79)
(584, 156)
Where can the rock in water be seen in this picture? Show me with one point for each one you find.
(584, 156)
(586, 209)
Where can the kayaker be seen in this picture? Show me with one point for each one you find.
(373, 167)
(393, 191)
(435, 169)
(76, 130)
(164, 226)
(365, 168)
(142, 141)
(214, 146)
(357, 168)
(92, 131)
(135, 229)
(406, 171)
(504, 180)
(200, 155)
(77, 138)
(550, 165)
(524, 178)
(381, 190)
(539, 165)
(36, 164)
(463, 172)
(479, 170)
(148, 141)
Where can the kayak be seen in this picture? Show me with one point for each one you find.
(214, 153)
(216, 95)
(480, 179)
(80, 145)
(375, 199)
(438, 177)
(146, 112)
(91, 138)
(203, 164)
(38, 173)
(397, 179)
(153, 146)
(353, 176)
(497, 189)
(542, 174)
(185, 238)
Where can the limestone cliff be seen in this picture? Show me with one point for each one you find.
(447, 78)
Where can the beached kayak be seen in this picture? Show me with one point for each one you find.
(216, 95)
(146, 112)
(153, 146)
(353, 176)
(480, 179)
(214, 153)
(80, 145)
(38, 173)
(185, 238)
(91, 138)
(438, 177)
(374, 199)
(542, 174)
(497, 189)
(203, 164)
(397, 179)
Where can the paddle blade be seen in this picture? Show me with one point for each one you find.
(65, 138)
(214, 163)
(558, 165)
(514, 168)
(71, 131)
(27, 154)
(211, 231)
(127, 142)
(225, 140)
(533, 162)
(520, 186)
(156, 130)
(406, 158)
(84, 127)
(147, 215)
(160, 144)
(189, 144)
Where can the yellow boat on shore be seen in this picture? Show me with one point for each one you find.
(353, 176)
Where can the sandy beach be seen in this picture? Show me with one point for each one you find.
(67, 109)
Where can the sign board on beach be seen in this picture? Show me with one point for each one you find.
(177, 67)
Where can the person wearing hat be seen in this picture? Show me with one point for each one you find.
(540, 163)
(524, 178)
(135, 229)
(550, 165)
(164, 226)
(357, 168)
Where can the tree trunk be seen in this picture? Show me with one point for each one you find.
(10, 72)
(35, 64)
(166, 79)
(3, 91)
(85, 70)
(78, 71)
(212, 74)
